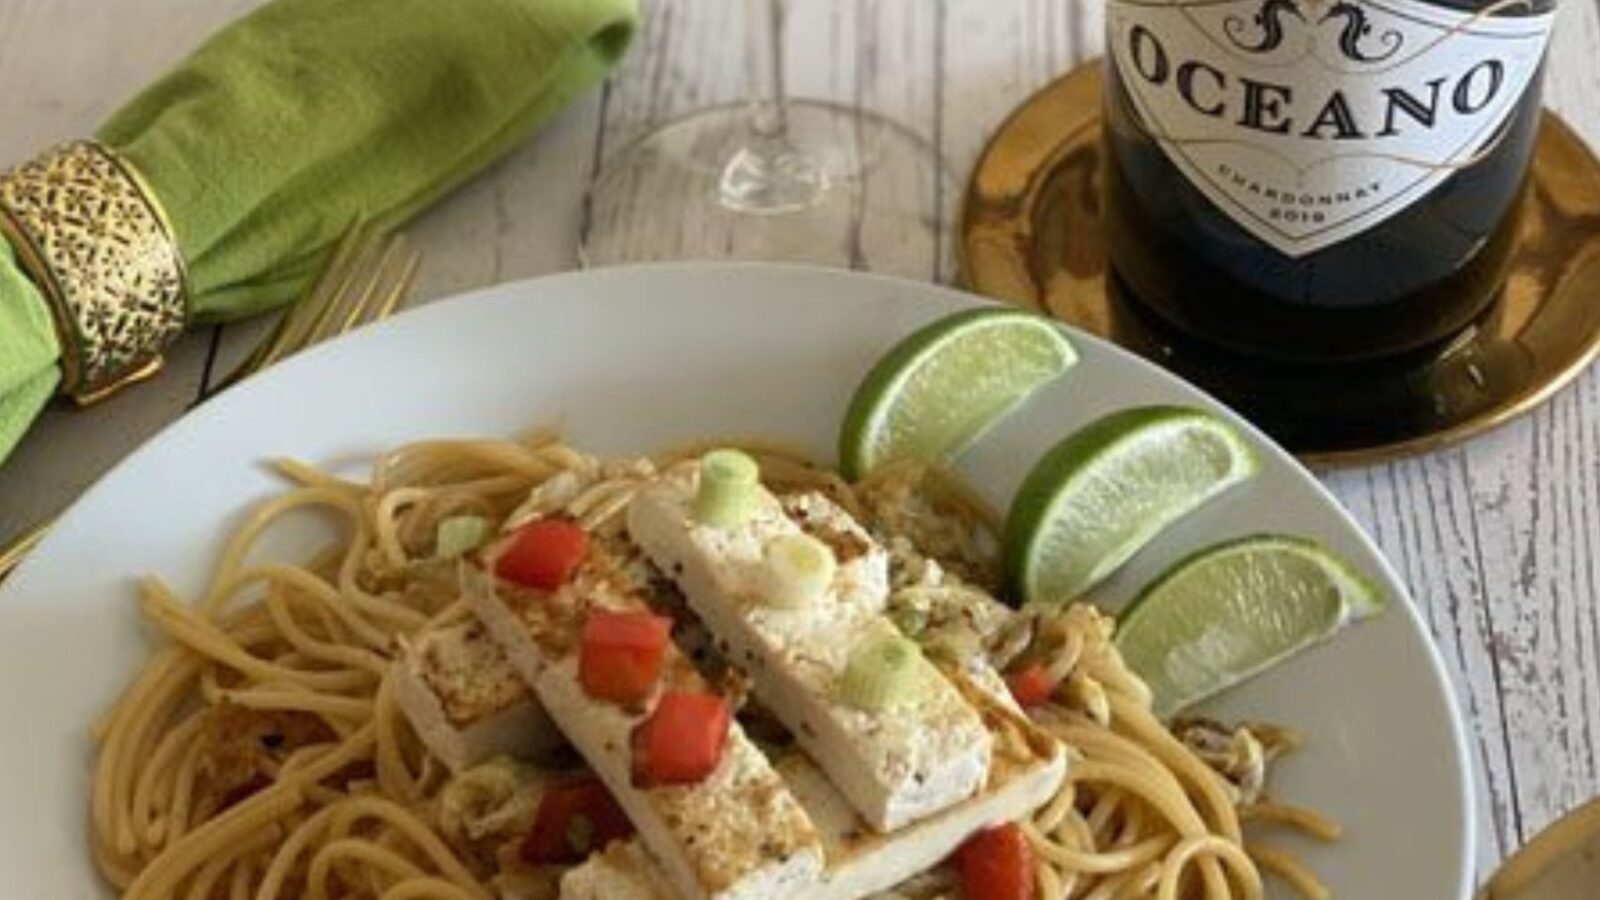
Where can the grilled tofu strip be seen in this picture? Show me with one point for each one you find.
(739, 834)
(1027, 771)
(895, 766)
(623, 871)
(465, 701)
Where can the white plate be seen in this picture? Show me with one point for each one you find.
(628, 360)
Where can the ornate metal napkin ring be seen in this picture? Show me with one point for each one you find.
(93, 236)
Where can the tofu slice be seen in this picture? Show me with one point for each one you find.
(622, 871)
(895, 766)
(1027, 772)
(738, 835)
(464, 699)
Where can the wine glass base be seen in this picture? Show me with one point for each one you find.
(883, 200)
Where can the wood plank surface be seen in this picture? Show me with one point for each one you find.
(1497, 539)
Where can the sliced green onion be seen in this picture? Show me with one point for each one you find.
(884, 671)
(911, 621)
(580, 835)
(800, 570)
(727, 494)
(459, 535)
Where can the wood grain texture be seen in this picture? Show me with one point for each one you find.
(1496, 539)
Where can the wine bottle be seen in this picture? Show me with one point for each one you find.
(1319, 180)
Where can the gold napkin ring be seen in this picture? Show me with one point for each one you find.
(94, 238)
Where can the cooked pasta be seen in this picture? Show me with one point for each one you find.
(1142, 810)
(260, 753)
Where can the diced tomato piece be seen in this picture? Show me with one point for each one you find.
(682, 741)
(574, 818)
(996, 864)
(543, 554)
(620, 656)
(1030, 685)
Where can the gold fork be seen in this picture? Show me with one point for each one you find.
(368, 277)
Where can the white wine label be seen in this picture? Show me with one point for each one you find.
(1310, 121)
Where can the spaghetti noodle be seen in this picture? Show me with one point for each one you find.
(260, 754)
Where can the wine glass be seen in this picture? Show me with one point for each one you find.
(775, 178)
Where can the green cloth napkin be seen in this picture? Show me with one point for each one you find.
(276, 134)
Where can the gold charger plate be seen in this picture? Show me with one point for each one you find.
(1030, 235)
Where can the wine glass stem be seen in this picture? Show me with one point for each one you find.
(768, 112)
(767, 174)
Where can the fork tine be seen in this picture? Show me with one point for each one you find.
(405, 279)
(287, 331)
(13, 555)
(290, 332)
(356, 312)
(326, 291)
(347, 291)
(397, 281)
(380, 289)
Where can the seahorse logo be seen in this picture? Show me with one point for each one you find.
(1358, 31)
(1267, 23)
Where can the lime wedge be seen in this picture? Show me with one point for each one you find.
(1231, 611)
(944, 385)
(1102, 493)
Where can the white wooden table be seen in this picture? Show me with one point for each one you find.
(1497, 539)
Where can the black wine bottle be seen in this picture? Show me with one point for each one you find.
(1318, 180)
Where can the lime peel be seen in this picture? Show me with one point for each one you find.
(1236, 609)
(940, 388)
(1094, 499)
